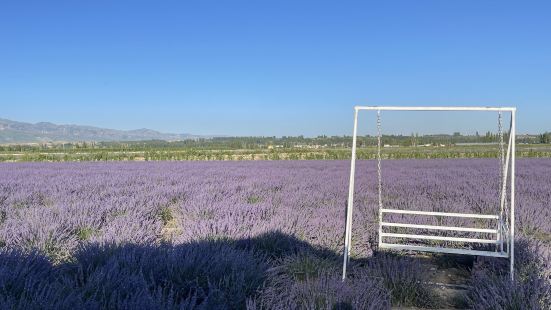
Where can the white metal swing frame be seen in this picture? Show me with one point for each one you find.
(505, 231)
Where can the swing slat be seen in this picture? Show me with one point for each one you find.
(435, 227)
(441, 250)
(427, 237)
(466, 215)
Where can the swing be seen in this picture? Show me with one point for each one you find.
(503, 233)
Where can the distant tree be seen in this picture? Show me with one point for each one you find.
(545, 138)
(413, 139)
(488, 137)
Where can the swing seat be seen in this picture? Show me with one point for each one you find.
(397, 246)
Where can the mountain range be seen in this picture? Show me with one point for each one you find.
(20, 132)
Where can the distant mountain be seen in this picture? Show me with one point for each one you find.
(19, 132)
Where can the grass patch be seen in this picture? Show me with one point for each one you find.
(19, 205)
(85, 233)
(55, 251)
(170, 224)
(537, 234)
(253, 199)
(166, 215)
(117, 213)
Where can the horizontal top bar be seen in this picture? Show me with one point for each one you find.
(466, 215)
(391, 108)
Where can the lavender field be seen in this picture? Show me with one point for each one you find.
(255, 235)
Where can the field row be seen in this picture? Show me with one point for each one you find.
(159, 154)
(257, 235)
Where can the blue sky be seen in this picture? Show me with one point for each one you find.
(273, 67)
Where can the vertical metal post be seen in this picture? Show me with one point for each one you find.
(512, 220)
(348, 233)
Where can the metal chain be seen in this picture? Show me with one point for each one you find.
(501, 150)
(379, 158)
(502, 165)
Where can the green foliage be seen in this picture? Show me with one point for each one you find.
(253, 199)
(283, 148)
(54, 250)
(85, 233)
(545, 138)
(166, 215)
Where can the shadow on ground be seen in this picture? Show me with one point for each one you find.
(271, 271)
